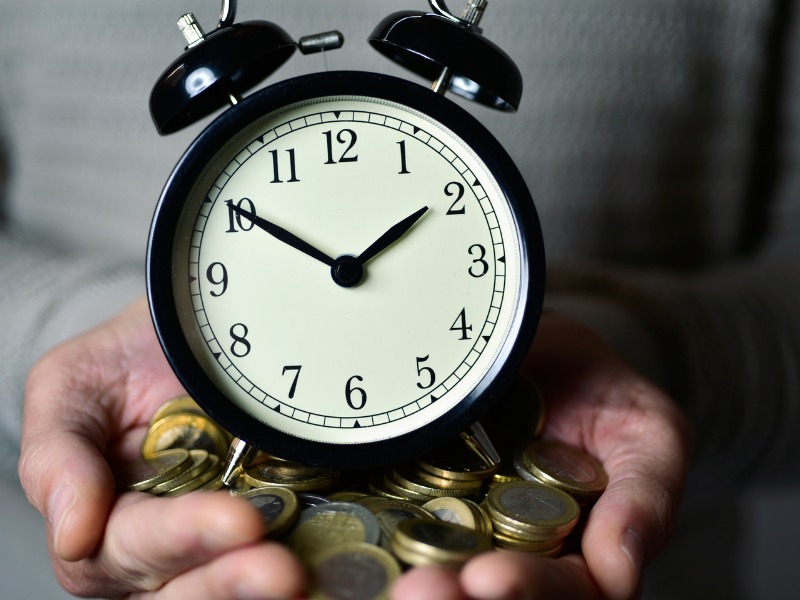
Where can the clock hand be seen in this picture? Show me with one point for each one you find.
(284, 236)
(390, 237)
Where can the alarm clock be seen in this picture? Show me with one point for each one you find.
(344, 269)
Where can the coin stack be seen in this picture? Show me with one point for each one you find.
(352, 531)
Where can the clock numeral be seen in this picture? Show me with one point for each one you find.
(348, 393)
(233, 216)
(403, 169)
(296, 376)
(239, 340)
(453, 210)
(480, 260)
(223, 281)
(463, 327)
(431, 374)
(276, 169)
(341, 140)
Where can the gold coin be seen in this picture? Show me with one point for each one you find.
(444, 543)
(503, 540)
(205, 477)
(213, 485)
(201, 462)
(455, 510)
(186, 431)
(347, 496)
(181, 404)
(455, 460)
(487, 528)
(532, 508)
(279, 507)
(291, 475)
(406, 478)
(352, 571)
(443, 483)
(390, 483)
(377, 487)
(149, 472)
(566, 468)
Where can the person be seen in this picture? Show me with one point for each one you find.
(660, 143)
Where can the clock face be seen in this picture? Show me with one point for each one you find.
(296, 306)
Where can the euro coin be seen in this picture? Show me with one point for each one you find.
(455, 460)
(292, 475)
(331, 524)
(214, 468)
(455, 510)
(148, 472)
(419, 541)
(566, 468)
(347, 496)
(352, 571)
(278, 506)
(408, 480)
(502, 540)
(307, 500)
(181, 404)
(378, 487)
(201, 461)
(186, 431)
(391, 512)
(532, 508)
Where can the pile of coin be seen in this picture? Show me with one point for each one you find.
(354, 530)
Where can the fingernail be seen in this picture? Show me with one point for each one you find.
(631, 544)
(60, 503)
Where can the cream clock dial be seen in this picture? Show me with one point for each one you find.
(346, 269)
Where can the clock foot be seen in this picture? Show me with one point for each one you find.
(240, 455)
(476, 438)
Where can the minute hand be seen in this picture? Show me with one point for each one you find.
(391, 236)
(284, 236)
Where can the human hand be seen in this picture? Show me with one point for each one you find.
(598, 403)
(90, 400)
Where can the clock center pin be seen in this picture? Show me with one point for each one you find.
(346, 271)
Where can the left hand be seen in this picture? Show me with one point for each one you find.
(600, 404)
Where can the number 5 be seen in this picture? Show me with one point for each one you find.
(431, 374)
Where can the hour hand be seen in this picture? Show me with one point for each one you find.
(391, 236)
(285, 236)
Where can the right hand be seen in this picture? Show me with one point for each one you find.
(89, 401)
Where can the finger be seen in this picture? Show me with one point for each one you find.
(150, 540)
(640, 435)
(506, 575)
(634, 519)
(77, 396)
(427, 583)
(252, 573)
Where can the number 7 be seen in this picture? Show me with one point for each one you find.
(296, 376)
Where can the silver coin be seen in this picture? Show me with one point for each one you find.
(534, 504)
(308, 500)
(340, 515)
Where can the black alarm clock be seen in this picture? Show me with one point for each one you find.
(344, 268)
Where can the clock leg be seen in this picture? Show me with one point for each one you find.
(476, 438)
(240, 455)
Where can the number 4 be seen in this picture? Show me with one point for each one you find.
(463, 327)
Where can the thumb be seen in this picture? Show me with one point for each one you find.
(62, 467)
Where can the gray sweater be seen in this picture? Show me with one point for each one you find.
(660, 140)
